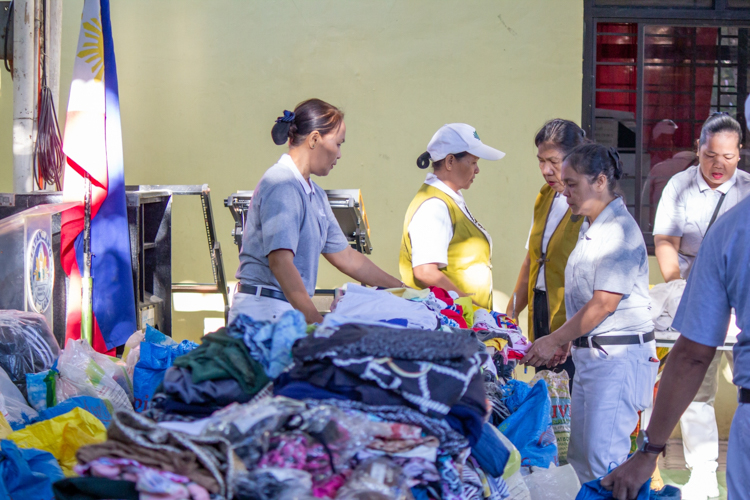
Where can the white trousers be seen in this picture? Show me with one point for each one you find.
(738, 455)
(257, 307)
(700, 435)
(608, 392)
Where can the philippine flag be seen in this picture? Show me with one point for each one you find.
(93, 145)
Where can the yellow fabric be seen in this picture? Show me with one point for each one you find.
(5, 427)
(468, 307)
(560, 245)
(409, 293)
(62, 436)
(469, 254)
(498, 343)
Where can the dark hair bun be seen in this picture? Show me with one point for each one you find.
(424, 160)
(280, 132)
(616, 163)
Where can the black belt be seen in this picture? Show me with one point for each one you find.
(264, 292)
(744, 396)
(600, 340)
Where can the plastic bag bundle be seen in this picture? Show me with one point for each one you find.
(156, 353)
(529, 426)
(12, 404)
(26, 345)
(593, 490)
(62, 436)
(555, 483)
(82, 375)
(376, 479)
(558, 388)
(273, 483)
(250, 426)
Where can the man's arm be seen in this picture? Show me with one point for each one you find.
(683, 374)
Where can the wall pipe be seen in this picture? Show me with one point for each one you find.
(25, 94)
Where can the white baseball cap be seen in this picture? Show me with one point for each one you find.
(455, 138)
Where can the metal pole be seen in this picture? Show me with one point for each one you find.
(24, 94)
(53, 45)
(87, 330)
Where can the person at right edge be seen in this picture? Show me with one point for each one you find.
(552, 237)
(717, 284)
(690, 203)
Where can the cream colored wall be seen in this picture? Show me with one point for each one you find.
(201, 84)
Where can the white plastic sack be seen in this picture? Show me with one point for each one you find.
(555, 483)
(558, 387)
(517, 487)
(81, 375)
(12, 404)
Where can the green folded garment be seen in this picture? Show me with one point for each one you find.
(221, 356)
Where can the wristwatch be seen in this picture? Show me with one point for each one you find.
(644, 446)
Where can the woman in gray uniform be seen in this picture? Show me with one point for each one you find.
(609, 322)
(290, 223)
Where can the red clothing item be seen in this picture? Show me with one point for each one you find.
(442, 294)
(455, 316)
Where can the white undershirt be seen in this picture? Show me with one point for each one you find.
(556, 214)
(431, 229)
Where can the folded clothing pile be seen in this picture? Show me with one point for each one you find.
(434, 372)
(220, 371)
(362, 304)
(159, 460)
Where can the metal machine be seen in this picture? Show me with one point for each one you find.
(30, 223)
(347, 206)
(31, 273)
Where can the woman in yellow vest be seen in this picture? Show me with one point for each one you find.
(553, 236)
(443, 244)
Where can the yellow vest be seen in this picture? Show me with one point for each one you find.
(469, 254)
(560, 245)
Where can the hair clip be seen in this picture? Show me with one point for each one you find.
(287, 118)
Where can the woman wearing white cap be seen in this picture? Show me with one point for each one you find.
(442, 243)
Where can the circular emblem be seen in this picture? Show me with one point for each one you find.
(41, 271)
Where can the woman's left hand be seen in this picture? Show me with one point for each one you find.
(541, 351)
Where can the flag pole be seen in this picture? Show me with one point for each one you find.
(87, 281)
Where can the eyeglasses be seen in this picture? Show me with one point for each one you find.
(719, 113)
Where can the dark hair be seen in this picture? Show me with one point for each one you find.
(593, 160)
(719, 122)
(308, 116)
(563, 134)
(424, 160)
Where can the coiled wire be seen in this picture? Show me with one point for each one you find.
(49, 159)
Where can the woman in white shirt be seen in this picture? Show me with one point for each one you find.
(553, 235)
(690, 203)
(609, 321)
(442, 244)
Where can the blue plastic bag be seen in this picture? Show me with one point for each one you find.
(593, 490)
(158, 353)
(529, 427)
(98, 407)
(27, 473)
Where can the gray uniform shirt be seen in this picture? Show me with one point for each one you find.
(287, 213)
(687, 204)
(611, 256)
(719, 282)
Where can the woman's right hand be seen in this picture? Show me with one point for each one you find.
(561, 355)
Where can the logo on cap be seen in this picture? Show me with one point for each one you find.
(477, 136)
